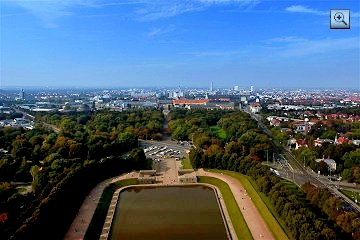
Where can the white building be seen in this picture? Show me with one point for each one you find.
(255, 107)
(176, 94)
(330, 162)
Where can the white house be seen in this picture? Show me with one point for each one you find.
(255, 107)
(330, 162)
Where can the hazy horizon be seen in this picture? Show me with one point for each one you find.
(113, 88)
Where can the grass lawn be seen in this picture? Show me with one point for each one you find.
(186, 163)
(218, 132)
(97, 221)
(237, 219)
(262, 203)
(352, 195)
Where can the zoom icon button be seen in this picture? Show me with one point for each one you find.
(340, 19)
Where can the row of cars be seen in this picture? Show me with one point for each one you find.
(185, 143)
(161, 151)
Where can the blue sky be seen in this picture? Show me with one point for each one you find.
(188, 43)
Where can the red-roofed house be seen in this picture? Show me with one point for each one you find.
(300, 143)
(275, 122)
(331, 116)
(342, 140)
(313, 120)
(255, 107)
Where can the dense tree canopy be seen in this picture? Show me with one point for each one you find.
(87, 149)
(243, 151)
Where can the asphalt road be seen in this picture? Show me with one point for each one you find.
(53, 127)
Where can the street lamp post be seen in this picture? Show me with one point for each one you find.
(304, 162)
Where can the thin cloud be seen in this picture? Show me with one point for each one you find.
(158, 31)
(159, 9)
(305, 9)
(146, 10)
(103, 3)
(287, 46)
(215, 53)
(308, 10)
(227, 1)
(50, 10)
(287, 39)
(154, 10)
(322, 46)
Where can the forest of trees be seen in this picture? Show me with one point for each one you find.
(63, 167)
(333, 207)
(240, 137)
(243, 150)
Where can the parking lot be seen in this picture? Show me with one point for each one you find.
(166, 157)
(162, 151)
(169, 148)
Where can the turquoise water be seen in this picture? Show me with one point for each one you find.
(186, 212)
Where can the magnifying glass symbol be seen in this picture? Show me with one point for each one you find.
(339, 17)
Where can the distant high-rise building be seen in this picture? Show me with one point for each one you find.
(251, 89)
(211, 87)
(176, 94)
(236, 88)
(22, 94)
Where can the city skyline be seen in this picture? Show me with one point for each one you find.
(106, 44)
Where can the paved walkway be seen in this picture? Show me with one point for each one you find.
(254, 220)
(82, 220)
(168, 171)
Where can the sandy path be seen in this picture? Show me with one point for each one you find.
(82, 220)
(254, 220)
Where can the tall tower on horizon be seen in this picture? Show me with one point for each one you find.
(211, 86)
(22, 94)
(251, 89)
